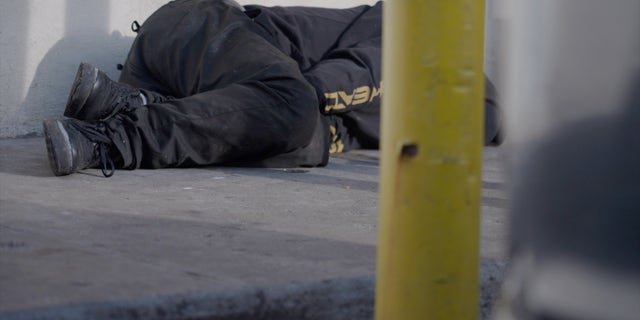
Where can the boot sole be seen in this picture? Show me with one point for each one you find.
(86, 77)
(58, 147)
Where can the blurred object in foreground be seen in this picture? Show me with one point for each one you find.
(573, 82)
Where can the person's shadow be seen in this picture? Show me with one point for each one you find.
(86, 39)
(47, 95)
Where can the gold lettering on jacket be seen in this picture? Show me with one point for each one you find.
(340, 100)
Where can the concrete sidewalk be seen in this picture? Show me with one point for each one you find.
(204, 243)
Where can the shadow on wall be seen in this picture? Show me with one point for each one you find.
(86, 39)
(14, 25)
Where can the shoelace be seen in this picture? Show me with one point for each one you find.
(124, 97)
(120, 105)
(96, 133)
(108, 167)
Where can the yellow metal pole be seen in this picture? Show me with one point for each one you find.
(432, 122)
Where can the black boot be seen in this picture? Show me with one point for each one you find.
(75, 145)
(94, 96)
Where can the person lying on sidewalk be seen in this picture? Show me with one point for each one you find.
(215, 83)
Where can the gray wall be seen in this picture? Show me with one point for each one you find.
(42, 43)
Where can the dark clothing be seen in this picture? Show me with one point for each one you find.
(339, 53)
(270, 86)
(237, 97)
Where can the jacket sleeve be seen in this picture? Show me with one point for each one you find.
(348, 78)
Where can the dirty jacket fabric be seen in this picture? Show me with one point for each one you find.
(339, 53)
